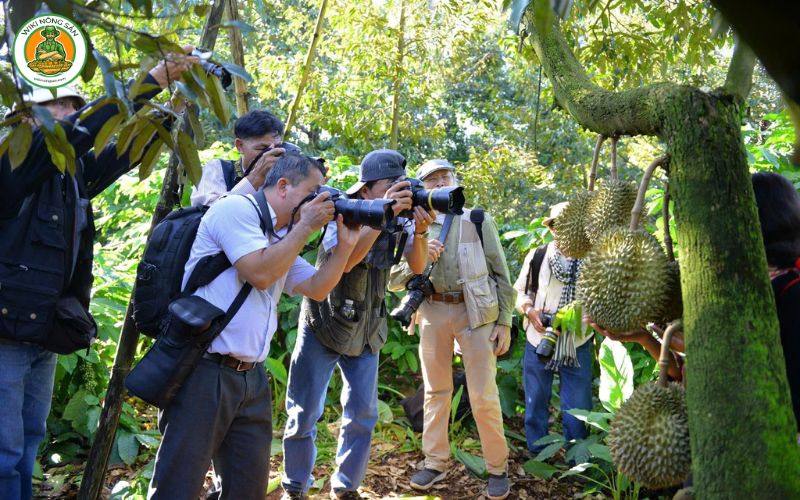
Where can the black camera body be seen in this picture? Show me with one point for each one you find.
(447, 200)
(212, 68)
(419, 287)
(548, 342)
(377, 214)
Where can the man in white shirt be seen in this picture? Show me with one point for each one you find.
(223, 411)
(259, 138)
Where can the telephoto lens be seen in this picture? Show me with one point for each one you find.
(419, 287)
(548, 342)
(377, 214)
(446, 200)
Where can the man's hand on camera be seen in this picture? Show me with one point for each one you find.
(535, 317)
(422, 220)
(501, 338)
(401, 194)
(346, 236)
(317, 212)
(263, 166)
(435, 250)
(170, 68)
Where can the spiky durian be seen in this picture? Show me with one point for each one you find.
(649, 436)
(610, 207)
(570, 226)
(623, 281)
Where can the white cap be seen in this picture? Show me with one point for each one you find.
(41, 95)
(432, 166)
(555, 211)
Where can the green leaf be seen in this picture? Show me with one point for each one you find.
(277, 370)
(549, 439)
(385, 413)
(19, 143)
(127, 446)
(548, 451)
(217, 99)
(541, 470)
(68, 363)
(76, 407)
(577, 469)
(237, 70)
(244, 28)
(150, 159)
(596, 419)
(106, 131)
(475, 465)
(187, 152)
(600, 451)
(616, 374)
(197, 127)
(455, 402)
(143, 137)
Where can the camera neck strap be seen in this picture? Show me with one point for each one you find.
(448, 221)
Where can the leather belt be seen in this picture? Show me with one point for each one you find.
(448, 297)
(230, 361)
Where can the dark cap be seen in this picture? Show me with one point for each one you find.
(379, 164)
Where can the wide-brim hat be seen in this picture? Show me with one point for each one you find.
(377, 165)
(51, 29)
(555, 211)
(432, 166)
(41, 95)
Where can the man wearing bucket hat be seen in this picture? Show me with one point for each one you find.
(472, 304)
(348, 329)
(546, 283)
(50, 48)
(46, 264)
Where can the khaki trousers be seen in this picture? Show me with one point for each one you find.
(441, 324)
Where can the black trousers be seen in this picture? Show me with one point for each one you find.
(218, 414)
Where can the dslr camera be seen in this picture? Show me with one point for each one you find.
(212, 68)
(419, 287)
(447, 200)
(377, 214)
(548, 342)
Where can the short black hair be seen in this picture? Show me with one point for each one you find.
(292, 166)
(256, 124)
(779, 212)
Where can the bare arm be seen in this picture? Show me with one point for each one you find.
(318, 286)
(366, 238)
(417, 255)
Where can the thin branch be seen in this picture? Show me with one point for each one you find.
(595, 157)
(614, 172)
(740, 71)
(665, 218)
(663, 360)
(636, 211)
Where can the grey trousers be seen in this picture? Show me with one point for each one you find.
(218, 414)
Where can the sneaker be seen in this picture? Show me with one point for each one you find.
(424, 479)
(345, 495)
(498, 487)
(294, 495)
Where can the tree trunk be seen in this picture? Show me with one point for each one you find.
(312, 51)
(740, 417)
(97, 461)
(394, 134)
(237, 51)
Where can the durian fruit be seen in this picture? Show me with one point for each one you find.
(610, 207)
(649, 436)
(570, 228)
(623, 280)
(673, 302)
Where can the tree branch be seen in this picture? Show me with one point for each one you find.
(740, 70)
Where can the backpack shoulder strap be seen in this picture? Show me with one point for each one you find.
(532, 284)
(229, 173)
(476, 216)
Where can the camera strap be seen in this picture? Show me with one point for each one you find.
(448, 221)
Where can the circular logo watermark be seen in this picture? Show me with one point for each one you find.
(49, 50)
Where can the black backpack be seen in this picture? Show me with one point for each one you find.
(160, 273)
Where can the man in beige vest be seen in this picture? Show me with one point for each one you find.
(472, 304)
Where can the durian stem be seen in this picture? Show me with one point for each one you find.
(614, 173)
(663, 361)
(595, 157)
(636, 211)
(665, 217)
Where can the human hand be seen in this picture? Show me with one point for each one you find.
(170, 68)
(435, 250)
(633, 336)
(401, 195)
(501, 338)
(262, 167)
(422, 219)
(317, 212)
(535, 317)
(346, 236)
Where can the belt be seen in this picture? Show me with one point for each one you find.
(230, 361)
(448, 297)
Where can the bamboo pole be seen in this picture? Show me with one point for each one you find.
(97, 461)
(394, 133)
(312, 51)
(237, 51)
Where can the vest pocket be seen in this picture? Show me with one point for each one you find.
(25, 311)
(480, 297)
(50, 229)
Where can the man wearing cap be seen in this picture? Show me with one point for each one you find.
(50, 48)
(348, 329)
(473, 304)
(259, 140)
(546, 283)
(46, 264)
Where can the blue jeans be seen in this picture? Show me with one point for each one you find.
(26, 389)
(576, 392)
(309, 375)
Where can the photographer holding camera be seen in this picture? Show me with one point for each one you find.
(348, 328)
(546, 283)
(469, 299)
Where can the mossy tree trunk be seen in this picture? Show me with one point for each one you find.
(742, 428)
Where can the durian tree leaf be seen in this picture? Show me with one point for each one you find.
(596, 419)
(616, 374)
(187, 152)
(139, 144)
(106, 131)
(197, 127)
(150, 158)
(127, 134)
(19, 143)
(475, 465)
(548, 451)
(541, 470)
(549, 439)
(217, 99)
